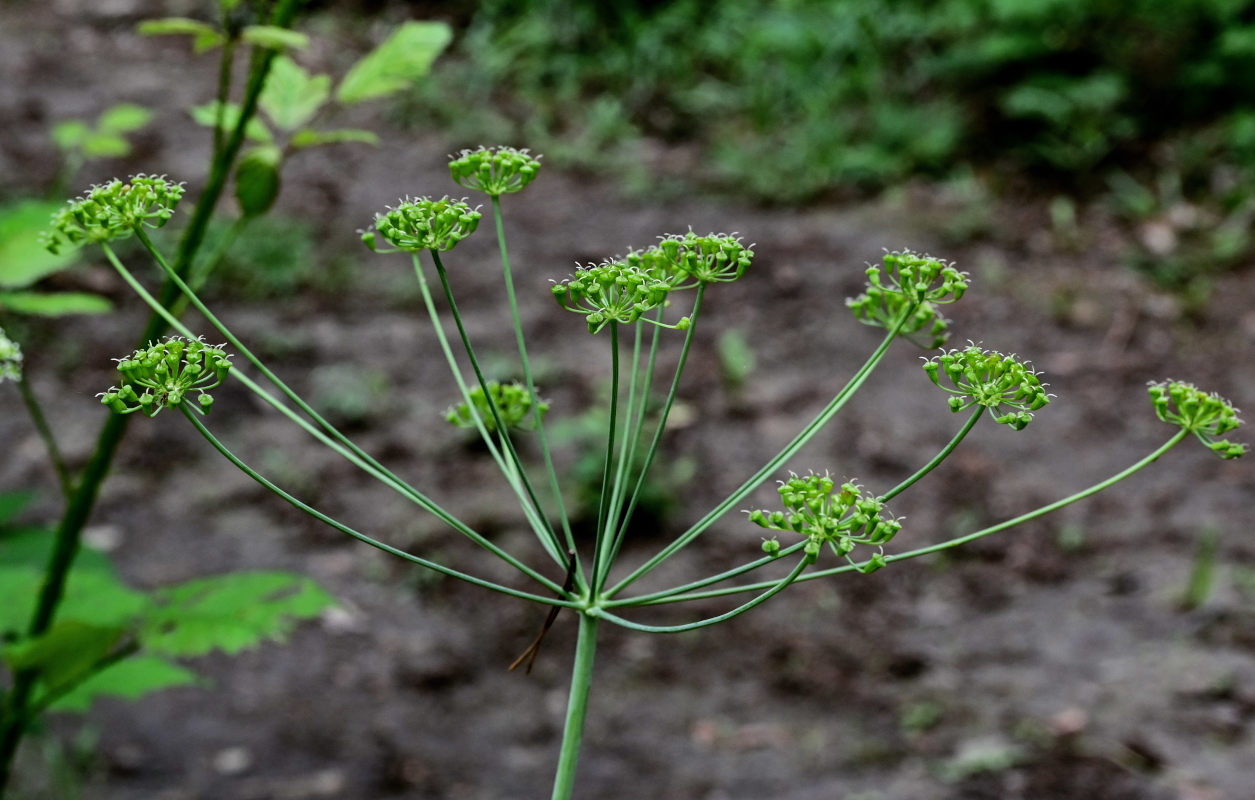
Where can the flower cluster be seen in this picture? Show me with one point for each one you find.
(624, 289)
(514, 404)
(990, 379)
(910, 285)
(423, 224)
(714, 258)
(1207, 415)
(613, 291)
(163, 375)
(494, 171)
(114, 211)
(838, 516)
(10, 359)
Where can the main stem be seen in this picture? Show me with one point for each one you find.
(577, 708)
(82, 501)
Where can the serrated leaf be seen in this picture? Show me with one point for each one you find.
(312, 138)
(207, 115)
(65, 654)
(93, 593)
(130, 679)
(274, 37)
(230, 612)
(396, 63)
(54, 304)
(23, 258)
(204, 36)
(105, 145)
(292, 97)
(124, 118)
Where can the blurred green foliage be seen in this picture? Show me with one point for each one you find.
(787, 99)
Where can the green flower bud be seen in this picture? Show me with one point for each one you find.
(162, 375)
(515, 406)
(423, 224)
(841, 516)
(690, 259)
(1207, 416)
(812, 549)
(494, 171)
(613, 291)
(990, 379)
(771, 547)
(912, 285)
(875, 563)
(114, 210)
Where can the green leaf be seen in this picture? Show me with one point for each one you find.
(18, 587)
(207, 115)
(230, 612)
(312, 138)
(69, 134)
(396, 63)
(93, 593)
(292, 97)
(105, 145)
(54, 304)
(204, 36)
(12, 503)
(131, 678)
(124, 118)
(65, 654)
(23, 258)
(274, 37)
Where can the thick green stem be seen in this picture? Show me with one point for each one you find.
(79, 508)
(577, 708)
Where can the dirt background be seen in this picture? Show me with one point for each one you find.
(1053, 661)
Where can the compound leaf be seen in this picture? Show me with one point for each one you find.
(292, 96)
(396, 63)
(207, 115)
(23, 257)
(230, 612)
(274, 37)
(130, 678)
(56, 304)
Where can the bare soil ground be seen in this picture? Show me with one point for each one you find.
(1053, 661)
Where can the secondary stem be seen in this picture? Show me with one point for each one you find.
(361, 537)
(530, 382)
(955, 542)
(603, 543)
(44, 430)
(756, 480)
